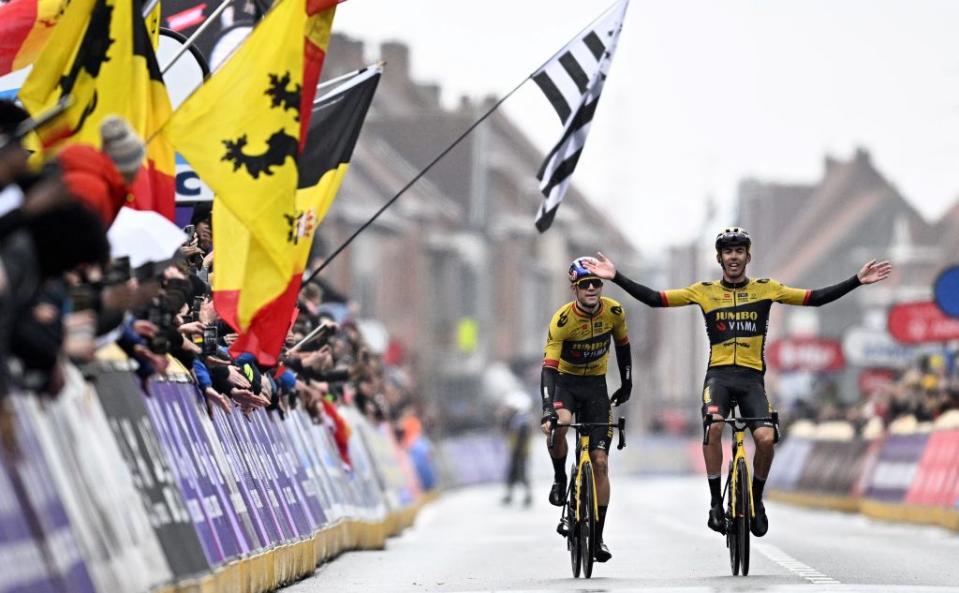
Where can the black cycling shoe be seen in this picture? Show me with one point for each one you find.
(602, 552)
(563, 527)
(557, 494)
(760, 524)
(717, 518)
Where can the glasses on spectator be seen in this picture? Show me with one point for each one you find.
(589, 283)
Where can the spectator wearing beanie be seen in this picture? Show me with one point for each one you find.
(102, 179)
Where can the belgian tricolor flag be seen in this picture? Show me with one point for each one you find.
(101, 56)
(25, 28)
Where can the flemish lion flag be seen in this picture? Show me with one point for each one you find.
(335, 126)
(101, 55)
(242, 131)
(25, 28)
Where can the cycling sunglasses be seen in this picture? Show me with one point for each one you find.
(589, 283)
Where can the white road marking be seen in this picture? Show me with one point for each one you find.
(794, 566)
(768, 550)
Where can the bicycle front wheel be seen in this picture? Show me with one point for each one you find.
(745, 516)
(572, 534)
(587, 524)
(732, 535)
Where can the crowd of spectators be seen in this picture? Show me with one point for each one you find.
(63, 299)
(925, 390)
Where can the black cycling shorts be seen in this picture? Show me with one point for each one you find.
(588, 400)
(725, 387)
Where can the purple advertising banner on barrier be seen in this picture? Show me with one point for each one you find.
(43, 509)
(214, 463)
(896, 467)
(186, 478)
(311, 471)
(259, 472)
(285, 487)
(216, 506)
(261, 516)
(26, 569)
(330, 466)
(123, 403)
(295, 467)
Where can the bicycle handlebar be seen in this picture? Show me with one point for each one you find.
(709, 419)
(620, 425)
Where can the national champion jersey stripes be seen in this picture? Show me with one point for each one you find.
(572, 81)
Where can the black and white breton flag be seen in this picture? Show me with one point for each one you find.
(572, 80)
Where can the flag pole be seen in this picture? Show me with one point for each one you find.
(343, 77)
(192, 39)
(419, 175)
(446, 151)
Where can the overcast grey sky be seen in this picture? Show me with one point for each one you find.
(704, 92)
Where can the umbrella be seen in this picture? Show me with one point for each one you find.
(144, 236)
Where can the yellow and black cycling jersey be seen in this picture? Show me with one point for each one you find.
(578, 342)
(737, 316)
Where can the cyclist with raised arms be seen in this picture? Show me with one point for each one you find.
(574, 381)
(737, 312)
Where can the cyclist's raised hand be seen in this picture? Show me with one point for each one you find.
(874, 271)
(621, 395)
(603, 267)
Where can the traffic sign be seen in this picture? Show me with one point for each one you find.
(921, 322)
(946, 291)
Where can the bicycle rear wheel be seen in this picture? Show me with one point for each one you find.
(745, 516)
(732, 535)
(572, 535)
(587, 526)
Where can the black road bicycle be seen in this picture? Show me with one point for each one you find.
(738, 491)
(578, 521)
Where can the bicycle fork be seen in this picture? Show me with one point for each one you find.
(733, 476)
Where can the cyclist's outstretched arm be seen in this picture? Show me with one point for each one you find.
(605, 268)
(871, 272)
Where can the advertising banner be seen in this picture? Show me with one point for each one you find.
(922, 322)
(106, 512)
(264, 487)
(261, 514)
(27, 568)
(867, 347)
(123, 403)
(274, 445)
(833, 467)
(896, 467)
(805, 354)
(41, 507)
(791, 459)
(216, 505)
(937, 479)
(185, 474)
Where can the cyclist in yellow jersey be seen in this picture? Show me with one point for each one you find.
(574, 381)
(736, 309)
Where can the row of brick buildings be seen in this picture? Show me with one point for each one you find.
(457, 256)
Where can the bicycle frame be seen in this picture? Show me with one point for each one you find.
(739, 452)
(739, 426)
(582, 457)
